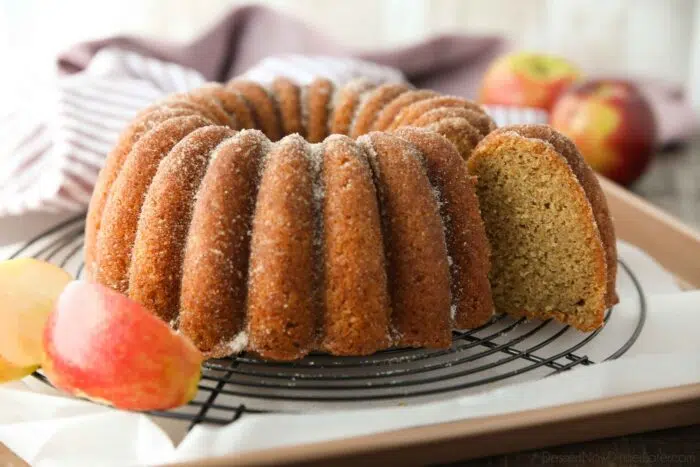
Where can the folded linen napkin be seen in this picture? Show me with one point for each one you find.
(54, 157)
(52, 149)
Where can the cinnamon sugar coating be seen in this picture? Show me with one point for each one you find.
(411, 112)
(316, 108)
(122, 210)
(145, 121)
(357, 309)
(346, 103)
(155, 273)
(414, 237)
(480, 121)
(460, 132)
(284, 238)
(385, 118)
(465, 233)
(282, 311)
(377, 99)
(288, 97)
(215, 264)
(208, 104)
(232, 102)
(262, 105)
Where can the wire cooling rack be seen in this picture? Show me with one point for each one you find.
(501, 352)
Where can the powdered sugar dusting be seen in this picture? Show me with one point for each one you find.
(239, 343)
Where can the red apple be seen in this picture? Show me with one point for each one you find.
(612, 124)
(526, 79)
(106, 347)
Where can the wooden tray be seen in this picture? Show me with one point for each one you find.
(675, 246)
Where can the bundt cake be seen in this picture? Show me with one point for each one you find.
(344, 219)
(552, 240)
(244, 217)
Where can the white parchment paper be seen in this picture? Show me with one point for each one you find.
(49, 429)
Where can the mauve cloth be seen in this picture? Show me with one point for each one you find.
(55, 149)
(450, 64)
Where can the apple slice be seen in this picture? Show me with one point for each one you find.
(28, 290)
(106, 347)
(10, 372)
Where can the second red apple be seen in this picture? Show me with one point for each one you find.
(527, 79)
(612, 124)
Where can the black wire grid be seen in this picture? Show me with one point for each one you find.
(504, 349)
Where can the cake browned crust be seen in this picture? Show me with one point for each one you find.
(410, 113)
(262, 105)
(481, 122)
(215, 264)
(461, 121)
(460, 132)
(385, 118)
(155, 273)
(316, 106)
(464, 229)
(346, 103)
(415, 242)
(232, 102)
(376, 100)
(357, 309)
(206, 104)
(288, 98)
(113, 166)
(282, 310)
(122, 210)
(344, 244)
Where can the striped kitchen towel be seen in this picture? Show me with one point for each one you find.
(52, 149)
(55, 147)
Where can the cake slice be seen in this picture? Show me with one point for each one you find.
(552, 240)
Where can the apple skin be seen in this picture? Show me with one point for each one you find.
(525, 79)
(612, 124)
(108, 348)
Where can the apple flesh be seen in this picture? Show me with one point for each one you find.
(29, 289)
(612, 125)
(526, 79)
(108, 348)
(11, 372)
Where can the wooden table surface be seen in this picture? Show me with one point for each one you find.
(673, 184)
